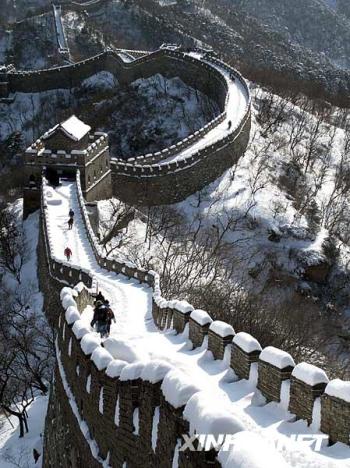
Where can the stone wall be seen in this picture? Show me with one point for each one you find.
(82, 421)
(173, 182)
(193, 72)
(77, 421)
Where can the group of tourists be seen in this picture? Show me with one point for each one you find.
(103, 316)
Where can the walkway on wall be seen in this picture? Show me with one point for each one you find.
(135, 328)
(61, 37)
(236, 108)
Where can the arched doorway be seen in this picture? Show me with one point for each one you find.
(52, 176)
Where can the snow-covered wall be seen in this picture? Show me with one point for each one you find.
(172, 174)
(148, 403)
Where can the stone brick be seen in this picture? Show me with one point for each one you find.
(302, 398)
(241, 361)
(217, 344)
(180, 319)
(270, 379)
(335, 419)
(197, 332)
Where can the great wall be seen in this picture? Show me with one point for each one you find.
(174, 173)
(103, 409)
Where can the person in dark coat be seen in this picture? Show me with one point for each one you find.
(110, 316)
(70, 223)
(99, 297)
(71, 213)
(100, 318)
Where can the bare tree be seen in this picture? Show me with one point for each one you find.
(12, 245)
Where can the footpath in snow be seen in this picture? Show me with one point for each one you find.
(138, 339)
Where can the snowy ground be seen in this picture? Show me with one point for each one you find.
(140, 337)
(16, 452)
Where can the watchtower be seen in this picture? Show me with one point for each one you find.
(62, 150)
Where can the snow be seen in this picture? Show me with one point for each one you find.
(246, 342)
(19, 452)
(80, 329)
(90, 342)
(178, 388)
(221, 328)
(132, 371)
(175, 463)
(73, 127)
(285, 393)
(155, 370)
(100, 402)
(88, 384)
(276, 357)
(101, 358)
(309, 374)
(155, 422)
(316, 415)
(136, 421)
(66, 290)
(115, 367)
(117, 413)
(122, 350)
(68, 301)
(72, 313)
(201, 317)
(250, 451)
(339, 389)
(206, 418)
(183, 307)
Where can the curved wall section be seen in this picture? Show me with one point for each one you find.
(173, 182)
(166, 62)
(170, 175)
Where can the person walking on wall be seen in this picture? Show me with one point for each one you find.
(100, 319)
(71, 213)
(229, 125)
(70, 223)
(99, 297)
(67, 253)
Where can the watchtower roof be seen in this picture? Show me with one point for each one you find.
(73, 128)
